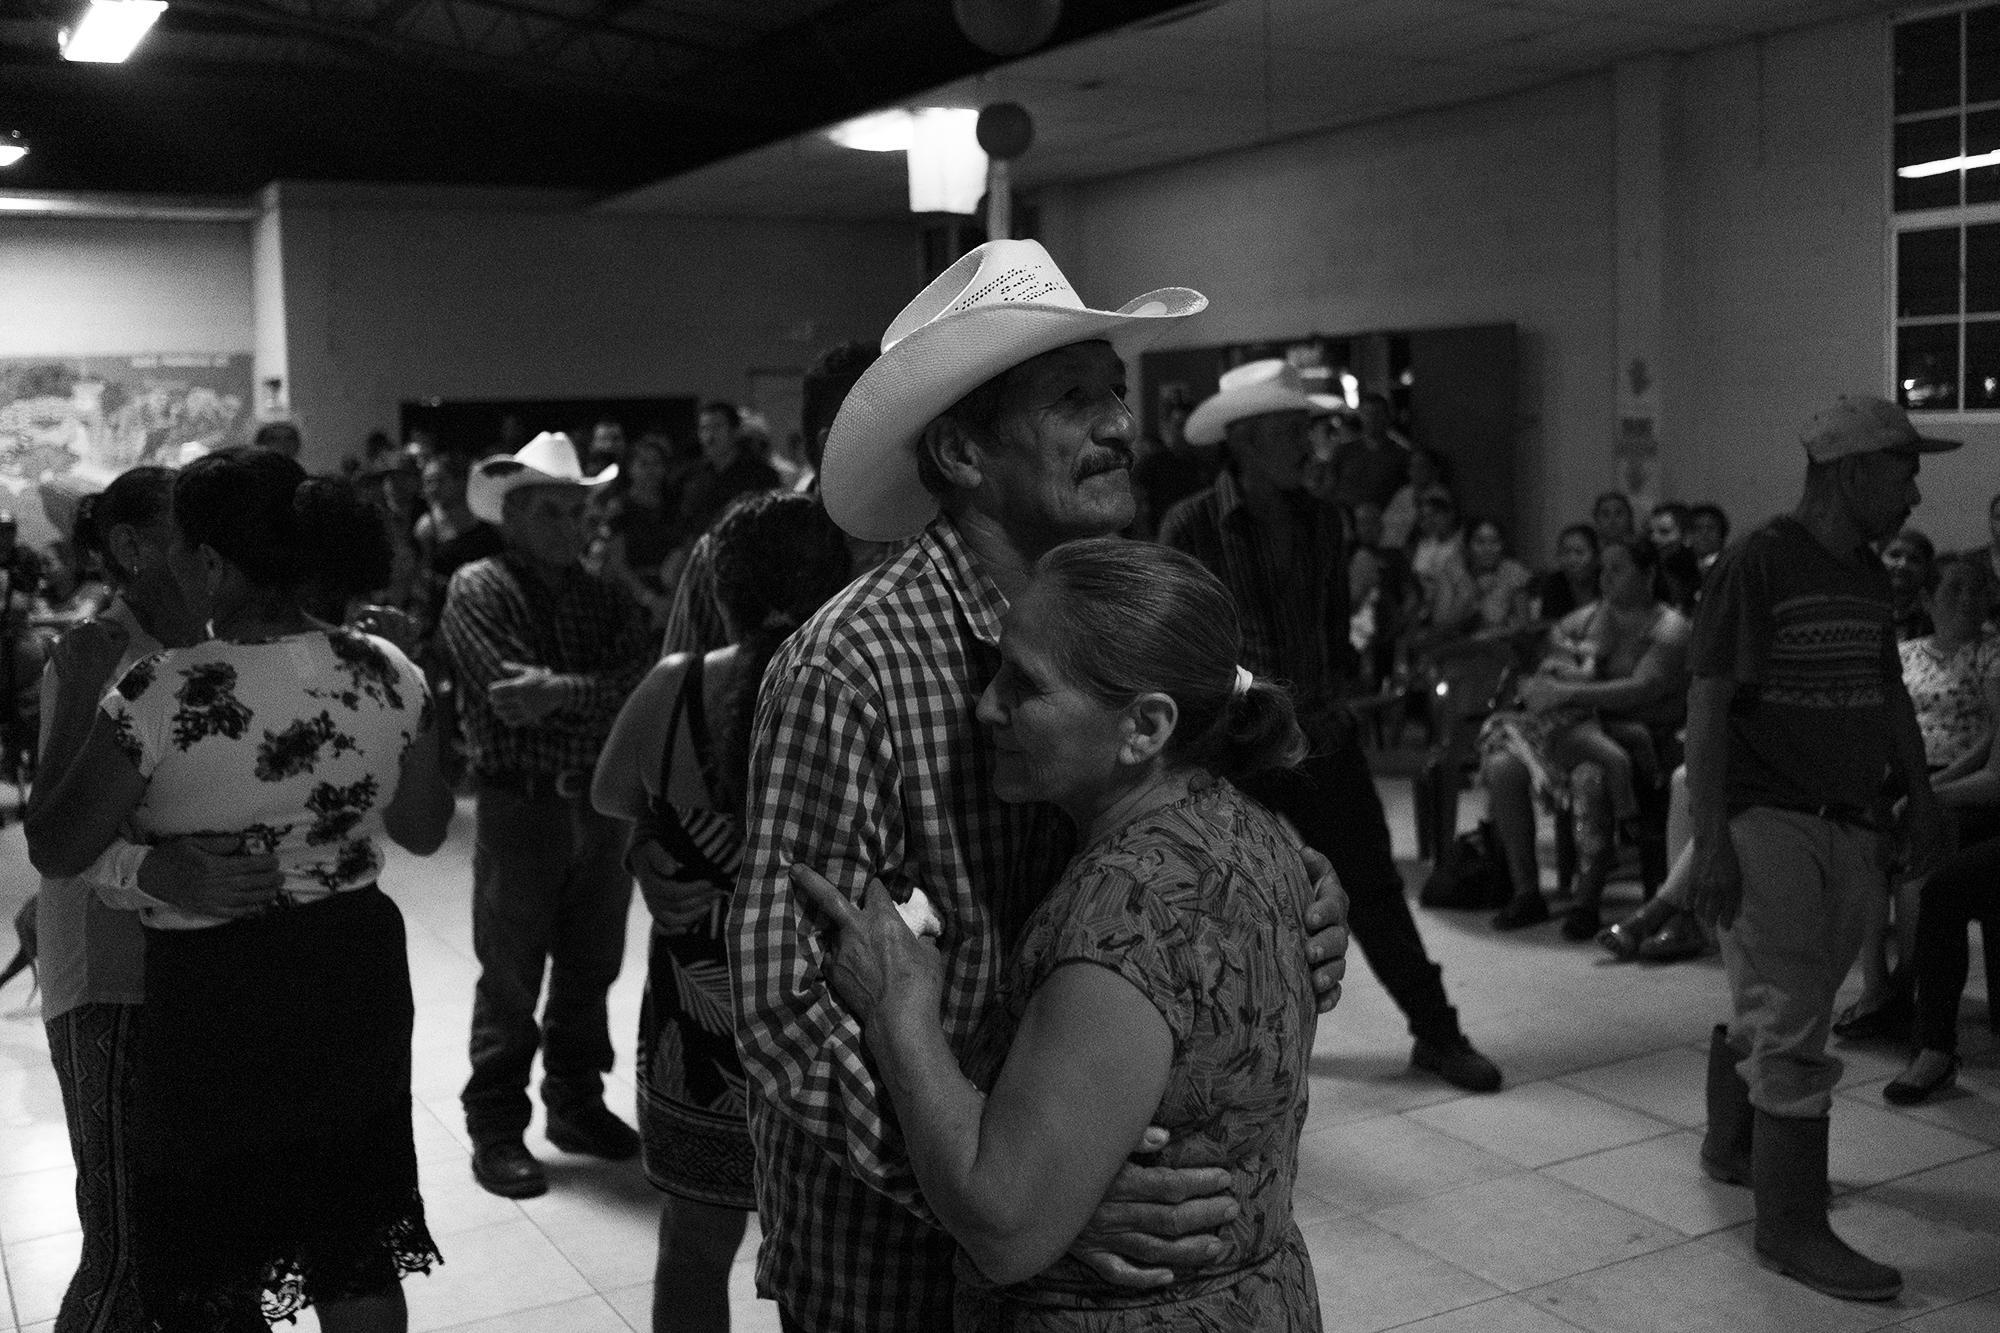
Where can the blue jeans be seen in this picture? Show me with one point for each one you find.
(548, 888)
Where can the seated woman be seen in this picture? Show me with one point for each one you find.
(1160, 983)
(1908, 559)
(1966, 888)
(1475, 612)
(675, 765)
(1573, 582)
(274, 1162)
(1619, 665)
(1953, 678)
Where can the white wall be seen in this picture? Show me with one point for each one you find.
(391, 298)
(1776, 262)
(1499, 211)
(100, 288)
(1779, 270)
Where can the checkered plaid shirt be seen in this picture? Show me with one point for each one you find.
(586, 629)
(873, 766)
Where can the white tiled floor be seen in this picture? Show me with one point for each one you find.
(1570, 1200)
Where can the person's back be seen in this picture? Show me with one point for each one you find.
(293, 744)
(1200, 904)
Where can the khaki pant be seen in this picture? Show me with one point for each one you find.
(1811, 888)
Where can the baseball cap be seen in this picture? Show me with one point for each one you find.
(1863, 424)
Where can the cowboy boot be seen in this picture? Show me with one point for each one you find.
(1623, 938)
(1725, 1149)
(1793, 1237)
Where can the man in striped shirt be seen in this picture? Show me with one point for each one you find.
(1796, 716)
(999, 400)
(1282, 555)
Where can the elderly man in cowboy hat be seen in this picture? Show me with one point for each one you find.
(992, 428)
(544, 653)
(1253, 523)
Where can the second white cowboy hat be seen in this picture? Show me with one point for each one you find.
(1250, 390)
(547, 460)
(1001, 304)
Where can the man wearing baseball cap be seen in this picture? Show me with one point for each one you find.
(992, 428)
(1796, 717)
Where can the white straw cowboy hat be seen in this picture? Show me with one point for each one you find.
(1250, 390)
(1000, 305)
(547, 460)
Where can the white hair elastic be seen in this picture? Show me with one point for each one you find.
(1242, 685)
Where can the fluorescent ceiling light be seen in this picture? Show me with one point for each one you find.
(111, 29)
(889, 131)
(10, 153)
(1944, 164)
(126, 208)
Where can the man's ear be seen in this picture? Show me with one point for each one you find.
(1149, 724)
(958, 457)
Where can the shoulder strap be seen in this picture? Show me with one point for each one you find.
(717, 861)
(692, 675)
(699, 733)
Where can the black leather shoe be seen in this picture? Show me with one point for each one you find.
(508, 1169)
(1581, 922)
(1892, 1018)
(1906, 1091)
(1457, 1064)
(591, 1129)
(1529, 910)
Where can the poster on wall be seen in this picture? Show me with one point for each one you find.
(69, 424)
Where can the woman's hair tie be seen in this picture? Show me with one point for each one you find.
(1242, 685)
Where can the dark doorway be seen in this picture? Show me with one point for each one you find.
(480, 427)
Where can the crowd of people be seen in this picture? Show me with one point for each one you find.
(996, 787)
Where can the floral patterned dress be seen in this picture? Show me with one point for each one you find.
(1201, 905)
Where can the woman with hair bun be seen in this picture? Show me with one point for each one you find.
(1120, 700)
(273, 1150)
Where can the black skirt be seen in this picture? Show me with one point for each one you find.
(272, 1143)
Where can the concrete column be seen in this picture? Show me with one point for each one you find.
(1642, 460)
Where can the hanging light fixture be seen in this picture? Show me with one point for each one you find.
(947, 166)
(110, 30)
(12, 150)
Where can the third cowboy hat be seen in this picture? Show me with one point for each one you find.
(1000, 305)
(547, 460)
(1250, 390)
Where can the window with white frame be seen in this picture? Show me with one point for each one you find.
(1945, 194)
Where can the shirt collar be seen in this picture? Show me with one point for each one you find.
(979, 598)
